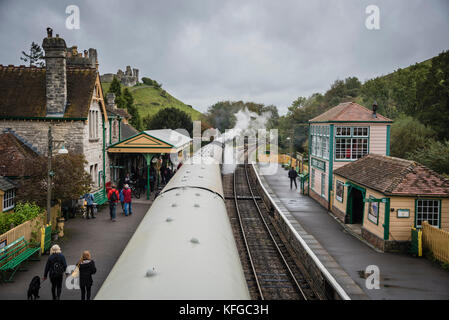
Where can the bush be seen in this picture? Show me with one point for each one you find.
(22, 213)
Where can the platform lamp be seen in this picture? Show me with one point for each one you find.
(52, 144)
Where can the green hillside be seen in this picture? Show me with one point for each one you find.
(149, 100)
(415, 97)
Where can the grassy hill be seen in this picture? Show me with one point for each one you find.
(149, 100)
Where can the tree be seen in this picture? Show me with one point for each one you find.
(408, 134)
(435, 156)
(70, 180)
(169, 118)
(433, 96)
(150, 82)
(132, 109)
(115, 88)
(36, 56)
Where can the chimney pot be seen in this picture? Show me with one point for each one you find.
(56, 74)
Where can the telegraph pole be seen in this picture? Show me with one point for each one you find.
(50, 173)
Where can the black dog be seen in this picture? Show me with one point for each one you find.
(33, 289)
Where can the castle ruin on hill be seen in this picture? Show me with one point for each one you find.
(128, 78)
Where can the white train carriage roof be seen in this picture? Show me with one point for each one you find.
(204, 176)
(183, 249)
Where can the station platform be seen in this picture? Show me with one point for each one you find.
(401, 276)
(105, 240)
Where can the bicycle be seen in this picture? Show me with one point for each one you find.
(135, 190)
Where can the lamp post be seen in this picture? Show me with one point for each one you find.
(52, 144)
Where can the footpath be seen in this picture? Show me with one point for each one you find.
(401, 276)
(103, 238)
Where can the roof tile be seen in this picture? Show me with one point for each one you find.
(395, 176)
(349, 111)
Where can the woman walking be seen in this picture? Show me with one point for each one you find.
(56, 266)
(86, 269)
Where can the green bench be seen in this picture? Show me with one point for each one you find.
(100, 197)
(13, 255)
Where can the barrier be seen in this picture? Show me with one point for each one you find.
(29, 227)
(436, 240)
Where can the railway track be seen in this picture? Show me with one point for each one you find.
(270, 270)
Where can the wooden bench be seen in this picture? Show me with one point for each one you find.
(13, 255)
(100, 197)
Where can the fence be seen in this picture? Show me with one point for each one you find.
(437, 241)
(282, 159)
(27, 228)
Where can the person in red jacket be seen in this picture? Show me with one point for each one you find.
(113, 197)
(127, 196)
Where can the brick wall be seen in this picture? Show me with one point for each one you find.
(318, 198)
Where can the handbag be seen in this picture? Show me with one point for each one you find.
(76, 272)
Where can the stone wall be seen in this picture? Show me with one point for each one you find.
(128, 78)
(36, 133)
(385, 245)
(75, 135)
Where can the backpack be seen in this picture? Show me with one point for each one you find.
(58, 268)
(113, 196)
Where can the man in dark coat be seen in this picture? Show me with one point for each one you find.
(292, 174)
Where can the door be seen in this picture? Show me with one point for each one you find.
(356, 205)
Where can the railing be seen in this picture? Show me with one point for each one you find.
(437, 241)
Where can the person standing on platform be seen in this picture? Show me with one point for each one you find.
(113, 197)
(122, 200)
(56, 266)
(89, 197)
(292, 174)
(86, 269)
(127, 198)
(127, 179)
(158, 171)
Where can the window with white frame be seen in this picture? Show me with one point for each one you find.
(9, 199)
(320, 141)
(428, 210)
(351, 143)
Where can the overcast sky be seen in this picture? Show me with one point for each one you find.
(204, 51)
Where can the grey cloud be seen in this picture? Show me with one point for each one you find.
(265, 51)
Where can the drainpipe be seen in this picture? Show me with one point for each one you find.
(104, 157)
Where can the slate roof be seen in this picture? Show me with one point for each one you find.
(118, 112)
(23, 93)
(127, 131)
(6, 184)
(14, 150)
(349, 111)
(170, 136)
(395, 176)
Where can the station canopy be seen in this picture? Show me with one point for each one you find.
(153, 141)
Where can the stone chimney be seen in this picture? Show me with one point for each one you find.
(110, 97)
(56, 75)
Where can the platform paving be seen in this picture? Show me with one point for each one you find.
(401, 276)
(103, 238)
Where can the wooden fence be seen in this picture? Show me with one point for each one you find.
(282, 159)
(29, 227)
(437, 241)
